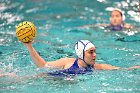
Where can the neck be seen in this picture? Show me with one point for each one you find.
(82, 63)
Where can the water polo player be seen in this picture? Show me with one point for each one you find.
(83, 63)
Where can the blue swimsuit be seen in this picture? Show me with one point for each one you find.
(115, 28)
(73, 70)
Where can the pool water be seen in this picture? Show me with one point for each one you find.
(58, 25)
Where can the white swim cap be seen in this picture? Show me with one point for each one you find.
(81, 46)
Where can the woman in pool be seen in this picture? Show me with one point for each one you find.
(116, 21)
(85, 61)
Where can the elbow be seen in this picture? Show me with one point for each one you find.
(41, 65)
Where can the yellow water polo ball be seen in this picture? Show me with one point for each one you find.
(26, 31)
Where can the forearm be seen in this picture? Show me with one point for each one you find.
(119, 68)
(110, 67)
(39, 61)
(8, 74)
(133, 67)
(103, 25)
(2, 75)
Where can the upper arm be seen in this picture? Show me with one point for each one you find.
(105, 67)
(56, 64)
(95, 25)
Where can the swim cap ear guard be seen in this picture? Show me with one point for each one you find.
(123, 16)
(81, 46)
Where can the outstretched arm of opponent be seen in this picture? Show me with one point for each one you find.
(94, 25)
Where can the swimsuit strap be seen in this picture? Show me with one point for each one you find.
(75, 65)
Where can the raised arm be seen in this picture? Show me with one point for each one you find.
(39, 61)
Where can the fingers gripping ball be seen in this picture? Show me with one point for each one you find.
(26, 31)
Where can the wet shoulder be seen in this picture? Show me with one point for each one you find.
(68, 62)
